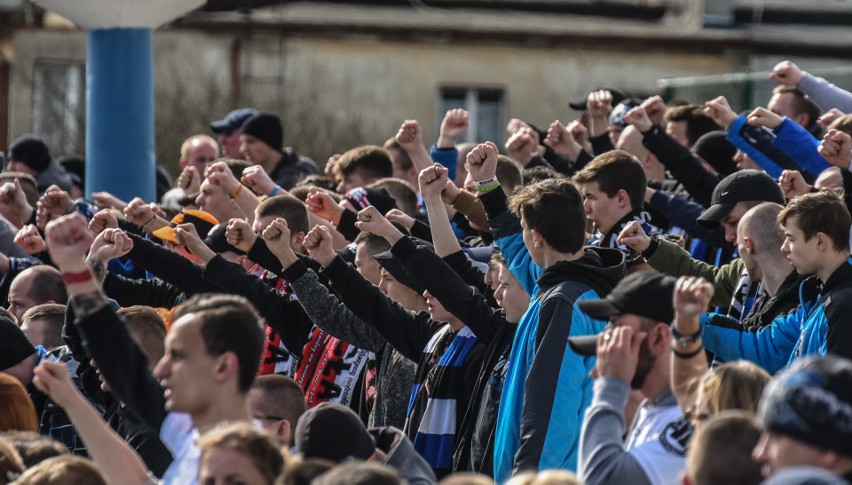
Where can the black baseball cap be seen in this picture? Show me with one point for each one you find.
(233, 121)
(617, 97)
(742, 186)
(644, 293)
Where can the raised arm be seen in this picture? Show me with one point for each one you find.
(432, 182)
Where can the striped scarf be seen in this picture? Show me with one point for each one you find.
(433, 417)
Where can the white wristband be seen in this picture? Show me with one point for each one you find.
(483, 183)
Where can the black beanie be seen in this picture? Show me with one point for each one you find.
(267, 128)
(31, 151)
(716, 150)
(333, 432)
(14, 346)
(811, 402)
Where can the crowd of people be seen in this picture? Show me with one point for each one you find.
(651, 294)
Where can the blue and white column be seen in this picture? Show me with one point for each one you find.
(120, 89)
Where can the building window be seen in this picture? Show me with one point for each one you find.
(59, 105)
(486, 108)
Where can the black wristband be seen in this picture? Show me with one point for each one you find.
(651, 249)
(689, 355)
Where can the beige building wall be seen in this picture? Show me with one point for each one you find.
(341, 92)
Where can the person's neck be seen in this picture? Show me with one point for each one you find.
(613, 226)
(224, 407)
(455, 324)
(774, 274)
(832, 261)
(552, 256)
(659, 379)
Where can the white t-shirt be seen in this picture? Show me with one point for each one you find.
(659, 441)
(180, 437)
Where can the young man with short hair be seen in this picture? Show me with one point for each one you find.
(277, 402)
(613, 187)
(212, 354)
(541, 233)
(361, 166)
(816, 230)
(262, 143)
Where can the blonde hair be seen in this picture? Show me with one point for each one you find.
(735, 385)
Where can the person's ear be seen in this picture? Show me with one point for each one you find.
(538, 239)
(823, 241)
(284, 431)
(182, 163)
(226, 367)
(749, 244)
(622, 198)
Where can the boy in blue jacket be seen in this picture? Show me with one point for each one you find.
(547, 388)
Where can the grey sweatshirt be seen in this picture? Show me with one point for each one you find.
(394, 373)
(825, 94)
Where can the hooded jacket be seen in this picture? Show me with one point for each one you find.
(402, 456)
(542, 433)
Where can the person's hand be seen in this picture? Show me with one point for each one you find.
(68, 239)
(720, 110)
(30, 240)
(105, 200)
(372, 221)
(328, 170)
(138, 212)
(55, 201)
(409, 135)
(599, 104)
(638, 117)
(240, 235)
(580, 134)
(103, 219)
(515, 125)
(277, 237)
(692, 296)
(432, 180)
(54, 380)
(655, 107)
(187, 236)
(618, 352)
(321, 245)
(634, 237)
(15, 203)
(793, 184)
(321, 204)
(220, 174)
(189, 180)
(455, 124)
(396, 215)
(523, 145)
(561, 140)
(787, 73)
(110, 244)
(828, 118)
(836, 148)
(256, 178)
(482, 162)
(764, 117)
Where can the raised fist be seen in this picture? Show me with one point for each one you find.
(454, 125)
(655, 107)
(836, 148)
(482, 162)
(787, 73)
(321, 245)
(409, 135)
(30, 240)
(432, 180)
(321, 204)
(692, 296)
(240, 235)
(720, 110)
(793, 184)
(764, 117)
(189, 180)
(256, 178)
(103, 219)
(523, 145)
(639, 118)
(68, 239)
(599, 104)
(634, 237)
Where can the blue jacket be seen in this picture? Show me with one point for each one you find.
(818, 326)
(543, 432)
(801, 146)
